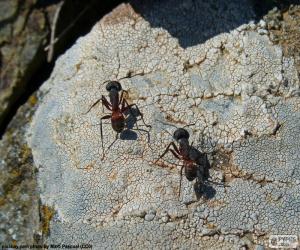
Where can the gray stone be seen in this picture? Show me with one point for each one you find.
(262, 31)
(149, 217)
(230, 88)
(259, 247)
(262, 24)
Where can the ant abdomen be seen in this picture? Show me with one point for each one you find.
(113, 85)
(190, 173)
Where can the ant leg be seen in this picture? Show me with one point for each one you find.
(125, 107)
(122, 97)
(140, 113)
(175, 154)
(143, 130)
(117, 135)
(93, 106)
(168, 149)
(180, 182)
(106, 103)
(103, 100)
(172, 163)
(101, 131)
(109, 147)
(129, 106)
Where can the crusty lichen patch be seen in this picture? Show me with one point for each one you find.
(19, 219)
(232, 93)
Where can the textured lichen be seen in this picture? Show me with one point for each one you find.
(230, 88)
(19, 201)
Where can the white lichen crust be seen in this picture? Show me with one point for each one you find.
(237, 90)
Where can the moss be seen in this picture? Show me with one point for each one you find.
(25, 153)
(32, 100)
(2, 201)
(46, 216)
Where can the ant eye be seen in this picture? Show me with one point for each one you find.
(181, 133)
(113, 85)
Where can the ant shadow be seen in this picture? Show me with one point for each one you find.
(202, 187)
(133, 116)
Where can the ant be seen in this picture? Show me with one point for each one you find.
(195, 163)
(118, 106)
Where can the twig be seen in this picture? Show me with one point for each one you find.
(55, 40)
(53, 28)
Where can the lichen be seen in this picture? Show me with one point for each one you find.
(46, 216)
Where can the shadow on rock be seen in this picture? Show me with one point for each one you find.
(195, 21)
(202, 186)
(192, 21)
(204, 190)
(132, 119)
(128, 135)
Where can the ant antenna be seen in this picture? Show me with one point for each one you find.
(166, 123)
(169, 124)
(167, 132)
(128, 76)
(189, 125)
(217, 183)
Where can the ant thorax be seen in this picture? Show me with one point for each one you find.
(184, 147)
(114, 98)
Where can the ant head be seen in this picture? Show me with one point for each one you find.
(113, 85)
(181, 133)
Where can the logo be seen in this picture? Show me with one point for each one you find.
(283, 241)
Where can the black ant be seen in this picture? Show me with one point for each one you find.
(118, 106)
(195, 163)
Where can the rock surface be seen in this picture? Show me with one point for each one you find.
(240, 92)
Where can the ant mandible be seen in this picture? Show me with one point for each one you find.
(118, 106)
(195, 163)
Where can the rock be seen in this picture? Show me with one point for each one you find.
(259, 247)
(165, 219)
(122, 45)
(149, 217)
(262, 31)
(97, 200)
(262, 24)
